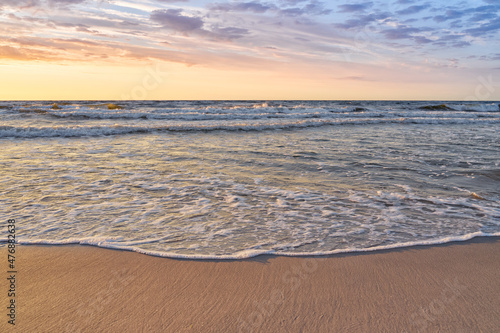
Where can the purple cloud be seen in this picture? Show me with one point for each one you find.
(412, 10)
(252, 6)
(38, 3)
(353, 8)
(19, 3)
(65, 2)
(401, 33)
(173, 19)
(486, 28)
(449, 15)
(292, 2)
(312, 8)
(228, 33)
(362, 21)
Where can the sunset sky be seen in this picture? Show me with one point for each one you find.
(286, 49)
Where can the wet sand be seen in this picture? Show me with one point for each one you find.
(446, 288)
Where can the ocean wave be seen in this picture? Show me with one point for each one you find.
(90, 118)
(440, 107)
(190, 115)
(146, 113)
(376, 183)
(194, 216)
(477, 107)
(251, 253)
(114, 129)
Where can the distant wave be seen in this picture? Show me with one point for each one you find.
(248, 114)
(469, 107)
(251, 105)
(90, 118)
(81, 131)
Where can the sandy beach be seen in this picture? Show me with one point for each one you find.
(223, 166)
(446, 288)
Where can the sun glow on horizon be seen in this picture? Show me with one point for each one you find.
(248, 50)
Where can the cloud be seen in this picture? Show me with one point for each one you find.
(73, 49)
(316, 8)
(483, 17)
(362, 21)
(9, 52)
(65, 2)
(291, 2)
(83, 28)
(412, 10)
(460, 44)
(19, 3)
(228, 33)
(449, 15)
(354, 78)
(38, 3)
(486, 28)
(39, 6)
(352, 8)
(401, 33)
(252, 6)
(450, 37)
(313, 8)
(173, 19)
(422, 40)
(490, 57)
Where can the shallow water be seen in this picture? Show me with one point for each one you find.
(236, 179)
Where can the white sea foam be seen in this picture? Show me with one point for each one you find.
(250, 253)
(262, 219)
(116, 129)
(31, 120)
(231, 180)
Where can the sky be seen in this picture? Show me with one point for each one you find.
(264, 50)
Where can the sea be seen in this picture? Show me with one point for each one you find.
(237, 179)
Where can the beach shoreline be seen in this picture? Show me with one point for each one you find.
(449, 287)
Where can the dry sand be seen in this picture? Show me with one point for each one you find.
(449, 288)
